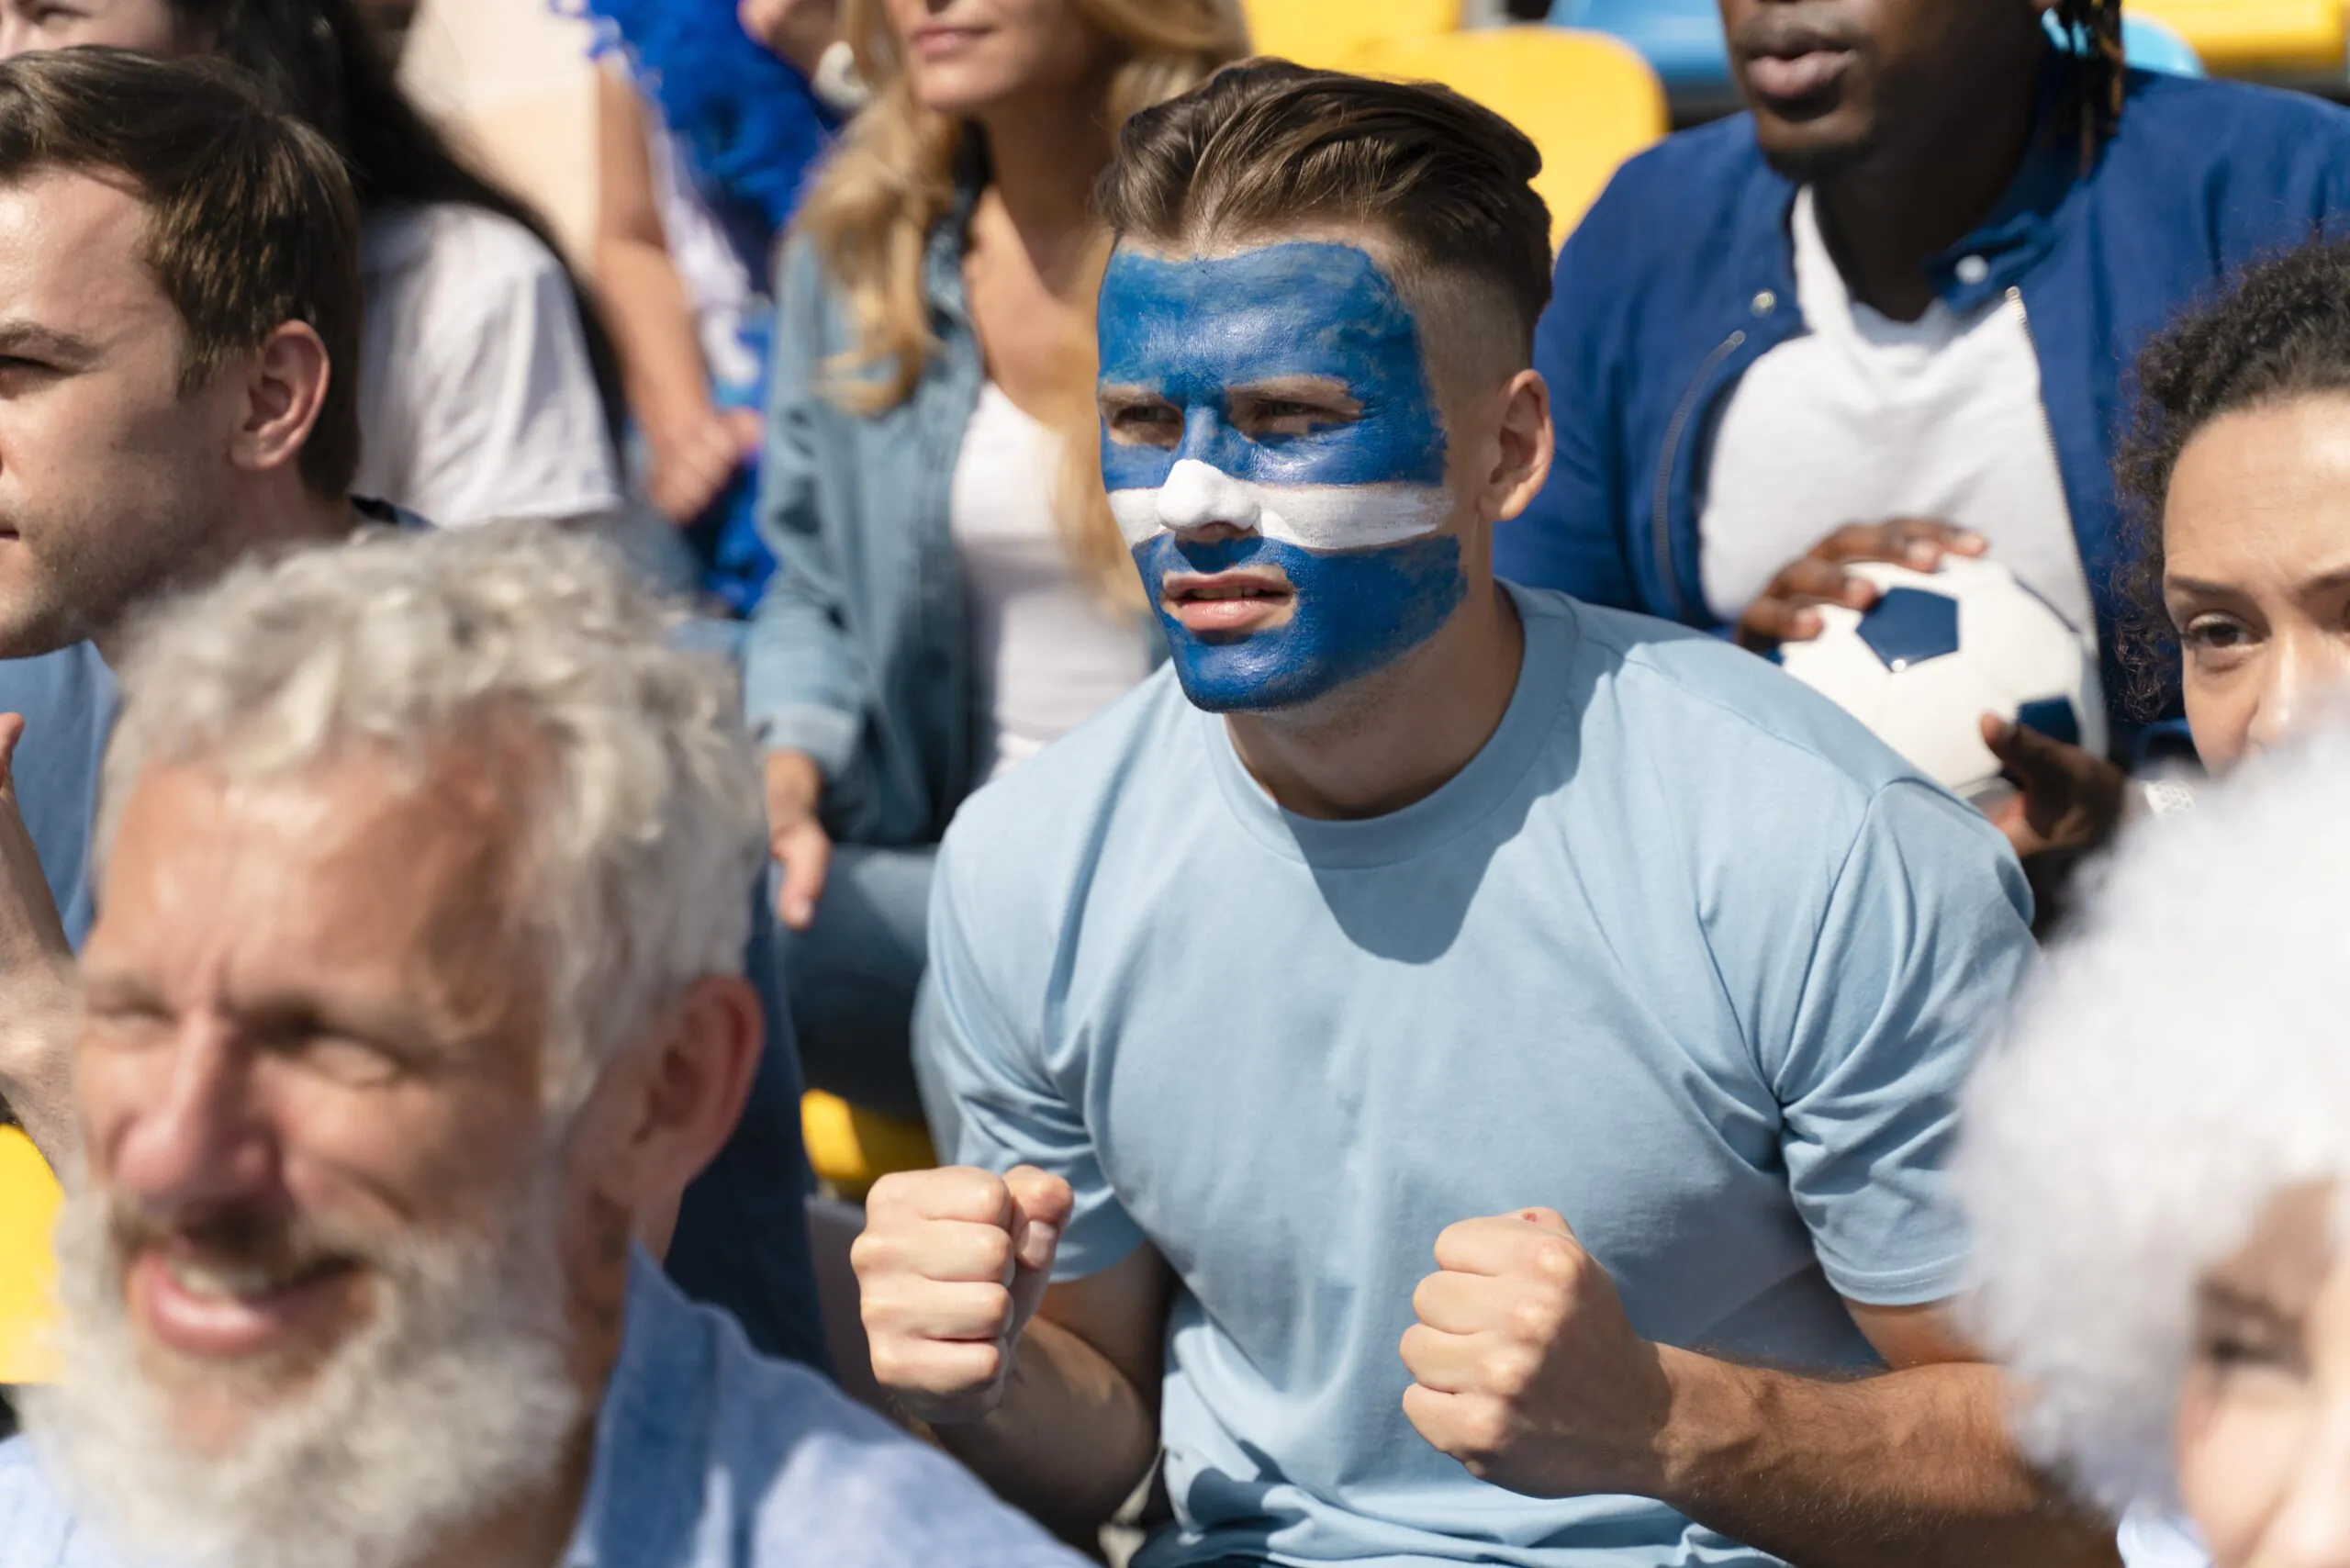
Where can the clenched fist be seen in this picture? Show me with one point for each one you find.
(949, 1271)
(1524, 1368)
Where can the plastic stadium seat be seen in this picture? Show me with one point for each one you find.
(1588, 102)
(2257, 36)
(28, 1200)
(2157, 46)
(852, 1147)
(1329, 33)
(1681, 39)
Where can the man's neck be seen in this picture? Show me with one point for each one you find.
(1890, 214)
(1397, 737)
(284, 514)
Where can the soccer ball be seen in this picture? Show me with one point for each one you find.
(1939, 649)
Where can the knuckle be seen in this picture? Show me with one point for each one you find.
(1509, 1372)
(992, 1251)
(1485, 1428)
(1560, 1259)
(1536, 1320)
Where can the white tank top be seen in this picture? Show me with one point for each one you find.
(1046, 651)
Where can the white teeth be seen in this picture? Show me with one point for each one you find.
(222, 1282)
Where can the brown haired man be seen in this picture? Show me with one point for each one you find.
(1625, 972)
(179, 316)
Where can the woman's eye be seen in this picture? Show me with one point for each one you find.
(2215, 634)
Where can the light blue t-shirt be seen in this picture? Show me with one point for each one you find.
(708, 1455)
(1684, 953)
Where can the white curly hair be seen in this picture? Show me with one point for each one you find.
(642, 804)
(2179, 1060)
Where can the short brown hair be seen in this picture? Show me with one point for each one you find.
(1267, 147)
(251, 218)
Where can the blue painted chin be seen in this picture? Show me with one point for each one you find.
(1357, 611)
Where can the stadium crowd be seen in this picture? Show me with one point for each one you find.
(1120, 602)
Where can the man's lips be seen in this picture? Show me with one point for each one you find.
(1227, 601)
(1792, 77)
(204, 1309)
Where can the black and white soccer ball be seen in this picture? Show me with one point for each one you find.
(1939, 649)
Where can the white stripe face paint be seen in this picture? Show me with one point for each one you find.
(1312, 517)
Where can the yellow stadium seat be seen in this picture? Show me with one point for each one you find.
(1588, 101)
(852, 1147)
(2259, 37)
(28, 1199)
(1327, 33)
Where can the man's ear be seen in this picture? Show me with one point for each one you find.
(1524, 449)
(284, 390)
(671, 1104)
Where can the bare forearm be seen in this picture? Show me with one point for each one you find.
(1070, 1438)
(1912, 1467)
(36, 1064)
(660, 354)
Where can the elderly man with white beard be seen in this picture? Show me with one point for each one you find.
(415, 994)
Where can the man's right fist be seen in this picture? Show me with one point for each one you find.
(949, 1271)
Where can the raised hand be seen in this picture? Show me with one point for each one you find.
(1524, 1368)
(951, 1267)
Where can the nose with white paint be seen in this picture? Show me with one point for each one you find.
(1198, 495)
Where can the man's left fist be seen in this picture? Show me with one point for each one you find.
(1524, 1368)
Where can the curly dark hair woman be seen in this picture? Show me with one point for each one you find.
(2235, 480)
(489, 388)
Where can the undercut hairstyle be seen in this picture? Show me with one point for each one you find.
(1267, 148)
(2177, 1065)
(631, 782)
(2280, 331)
(251, 221)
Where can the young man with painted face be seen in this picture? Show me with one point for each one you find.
(1414, 911)
(1888, 314)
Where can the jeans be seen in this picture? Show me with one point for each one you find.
(852, 974)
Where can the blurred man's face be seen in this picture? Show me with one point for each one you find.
(1277, 460)
(111, 480)
(2264, 1431)
(1832, 82)
(316, 1300)
(148, 25)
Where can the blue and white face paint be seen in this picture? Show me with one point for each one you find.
(1280, 392)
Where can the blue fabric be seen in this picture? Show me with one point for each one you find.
(860, 652)
(1683, 276)
(742, 1237)
(751, 126)
(1684, 953)
(708, 1455)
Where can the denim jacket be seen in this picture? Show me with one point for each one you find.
(1683, 276)
(859, 653)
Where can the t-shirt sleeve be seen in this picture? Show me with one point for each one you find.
(501, 418)
(992, 1097)
(1925, 936)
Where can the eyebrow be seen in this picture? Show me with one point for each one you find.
(29, 339)
(2338, 577)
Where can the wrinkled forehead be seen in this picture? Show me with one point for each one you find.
(1192, 326)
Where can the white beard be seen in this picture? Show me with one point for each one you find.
(454, 1398)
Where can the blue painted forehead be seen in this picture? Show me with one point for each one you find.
(1192, 327)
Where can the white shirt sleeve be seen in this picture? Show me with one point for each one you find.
(477, 402)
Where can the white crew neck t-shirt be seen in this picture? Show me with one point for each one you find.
(1864, 419)
(477, 400)
(1047, 652)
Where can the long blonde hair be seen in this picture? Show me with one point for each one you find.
(891, 181)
